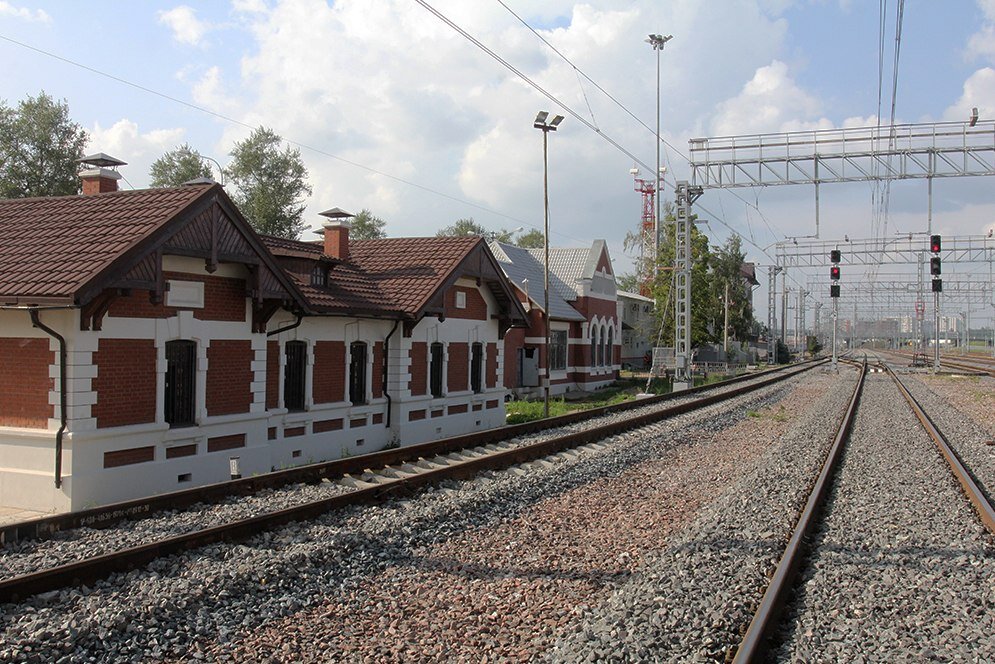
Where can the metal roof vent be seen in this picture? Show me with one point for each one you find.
(201, 180)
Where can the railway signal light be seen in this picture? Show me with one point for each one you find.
(834, 255)
(934, 243)
(834, 272)
(934, 266)
(834, 290)
(937, 285)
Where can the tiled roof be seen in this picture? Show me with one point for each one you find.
(52, 247)
(389, 276)
(569, 266)
(521, 264)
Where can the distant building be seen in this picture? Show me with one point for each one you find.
(638, 336)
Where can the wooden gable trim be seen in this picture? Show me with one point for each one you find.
(155, 245)
(480, 264)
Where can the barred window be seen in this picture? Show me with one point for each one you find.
(435, 369)
(181, 383)
(357, 372)
(557, 350)
(294, 375)
(476, 367)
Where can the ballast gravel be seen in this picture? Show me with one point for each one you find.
(215, 603)
(963, 409)
(902, 570)
(26, 556)
(691, 599)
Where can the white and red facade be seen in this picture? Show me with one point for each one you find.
(197, 300)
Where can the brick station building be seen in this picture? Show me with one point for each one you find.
(584, 325)
(148, 336)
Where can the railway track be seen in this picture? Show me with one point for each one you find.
(972, 365)
(761, 636)
(368, 479)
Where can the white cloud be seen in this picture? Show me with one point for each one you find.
(36, 15)
(771, 101)
(389, 86)
(979, 91)
(186, 27)
(126, 142)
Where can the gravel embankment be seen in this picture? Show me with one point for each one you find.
(902, 568)
(27, 556)
(216, 603)
(689, 600)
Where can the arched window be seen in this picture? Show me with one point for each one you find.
(181, 383)
(594, 345)
(295, 375)
(357, 372)
(611, 348)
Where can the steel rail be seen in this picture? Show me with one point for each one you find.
(766, 618)
(110, 515)
(953, 364)
(92, 569)
(979, 501)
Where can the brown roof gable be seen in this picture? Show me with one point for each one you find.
(67, 249)
(397, 277)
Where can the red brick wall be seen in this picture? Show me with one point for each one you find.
(418, 371)
(125, 382)
(24, 382)
(329, 371)
(272, 374)
(229, 377)
(594, 307)
(378, 370)
(458, 367)
(513, 340)
(476, 306)
(491, 365)
(224, 300)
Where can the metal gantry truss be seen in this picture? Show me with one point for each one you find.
(685, 196)
(856, 154)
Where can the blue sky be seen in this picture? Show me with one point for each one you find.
(386, 85)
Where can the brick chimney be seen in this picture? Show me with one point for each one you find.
(336, 233)
(100, 174)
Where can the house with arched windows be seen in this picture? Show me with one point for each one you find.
(150, 340)
(584, 329)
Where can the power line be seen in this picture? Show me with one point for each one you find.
(629, 112)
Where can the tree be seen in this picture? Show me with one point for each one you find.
(463, 228)
(534, 239)
(727, 267)
(178, 166)
(270, 184)
(39, 149)
(366, 226)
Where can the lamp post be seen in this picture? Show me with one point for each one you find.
(546, 127)
(221, 171)
(657, 42)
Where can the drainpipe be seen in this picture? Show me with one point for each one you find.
(386, 354)
(63, 397)
(296, 323)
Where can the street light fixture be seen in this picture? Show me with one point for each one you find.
(221, 171)
(541, 124)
